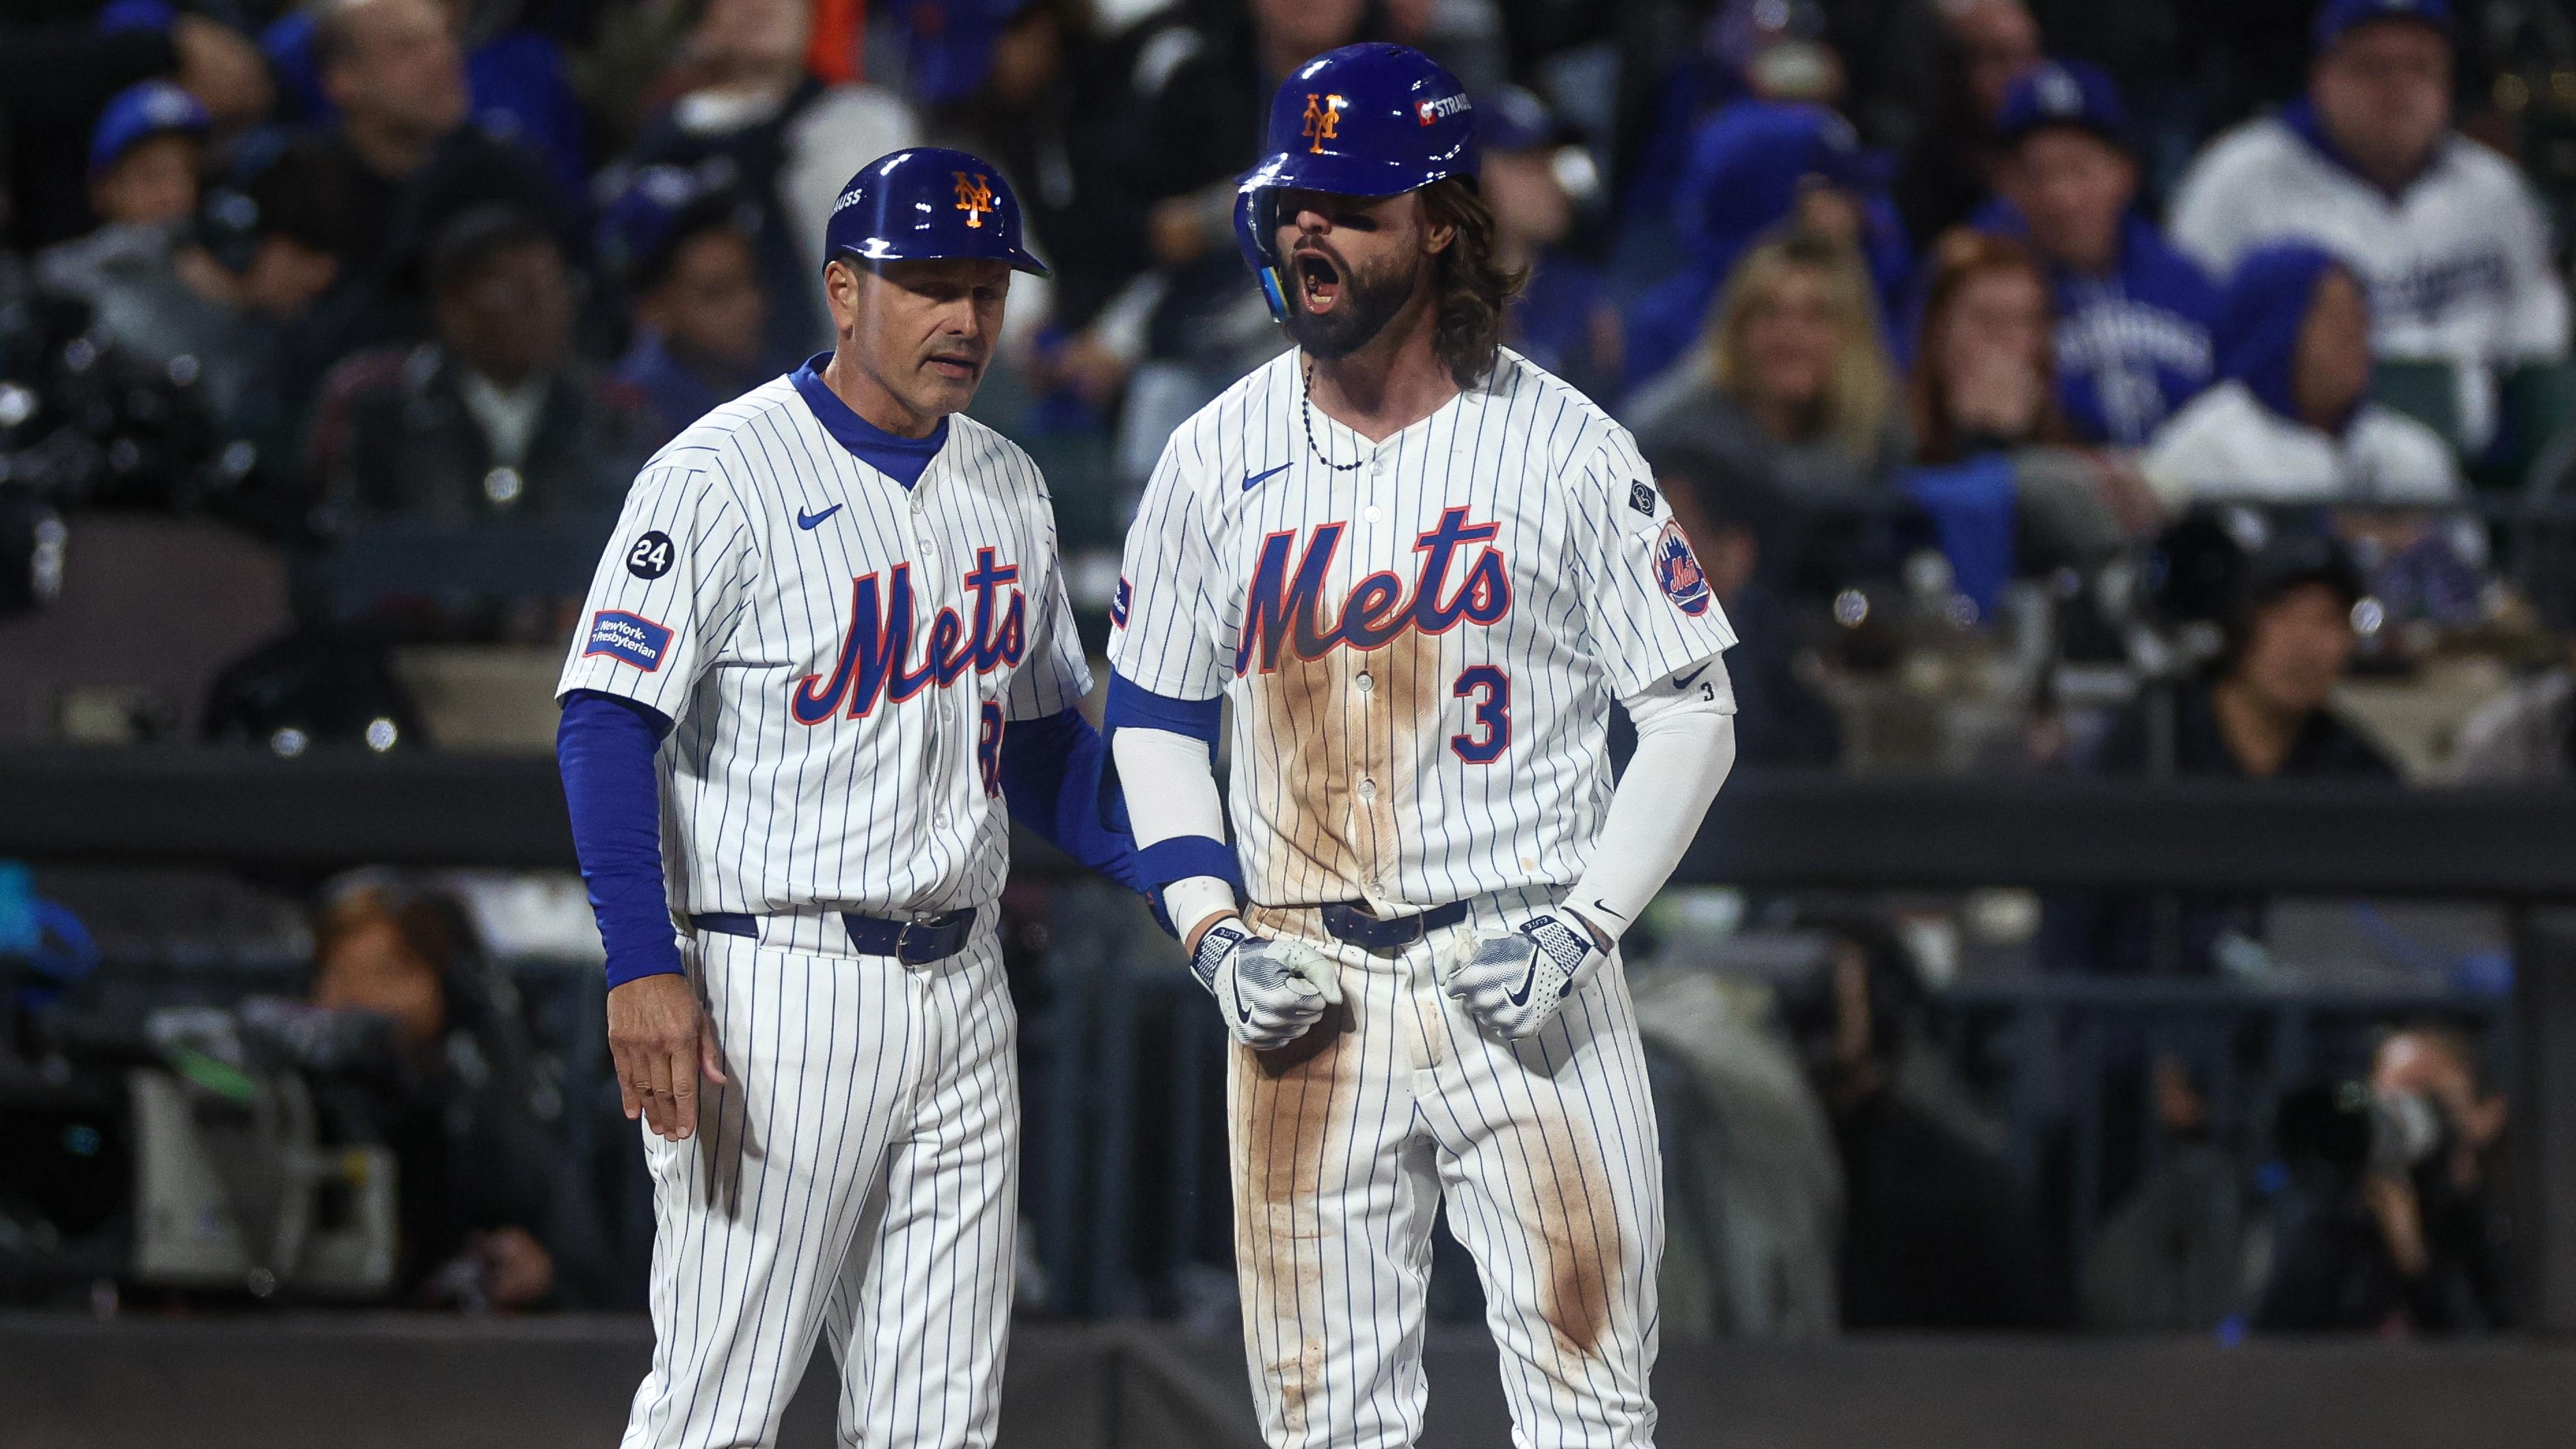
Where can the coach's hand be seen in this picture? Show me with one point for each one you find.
(1271, 990)
(661, 1043)
(1513, 980)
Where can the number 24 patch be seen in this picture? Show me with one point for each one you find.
(651, 555)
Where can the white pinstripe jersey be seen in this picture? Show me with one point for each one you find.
(1420, 652)
(839, 654)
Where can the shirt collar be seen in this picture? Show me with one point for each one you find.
(865, 440)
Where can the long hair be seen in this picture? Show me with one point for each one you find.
(1470, 290)
(1858, 388)
(1962, 256)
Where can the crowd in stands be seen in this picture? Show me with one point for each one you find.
(2193, 331)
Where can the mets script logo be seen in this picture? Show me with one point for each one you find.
(1677, 570)
(974, 197)
(1285, 603)
(1323, 120)
(874, 661)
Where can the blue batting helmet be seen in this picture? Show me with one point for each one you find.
(928, 201)
(1364, 120)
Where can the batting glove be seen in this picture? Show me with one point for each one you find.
(1513, 980)
(1271, 990)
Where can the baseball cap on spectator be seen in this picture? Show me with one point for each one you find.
(2294, 557)
(2339, 18)
(139, 113)
(2063, 93)
(951, 44)
(642, 226)
(1511, 119)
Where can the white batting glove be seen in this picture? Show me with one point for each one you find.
(1512, 981)
(1271, 990)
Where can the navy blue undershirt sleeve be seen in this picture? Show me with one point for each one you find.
(605, 749)
(1058, 781)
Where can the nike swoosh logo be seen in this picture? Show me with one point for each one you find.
(808, 521)
(1254, 481)
(1521, 997)
(1603, 908)
(1685, 681)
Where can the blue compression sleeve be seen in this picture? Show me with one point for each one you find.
(1056, 777)
(1131, 704)
(605, 749)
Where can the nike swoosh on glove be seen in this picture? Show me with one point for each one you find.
(1270, 990)
(1513, 980)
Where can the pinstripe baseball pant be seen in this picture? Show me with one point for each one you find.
(859, 1176)
(1545, 1153)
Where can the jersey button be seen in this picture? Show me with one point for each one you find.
(1374, 512)
(1368, 789)
(1366, 683)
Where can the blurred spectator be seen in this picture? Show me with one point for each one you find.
(143, 164)
(683, 252)
(515, 79)
(2527, 736)
(2005, 493)
(1563, 319)
(1788, 389)
(492, 1213)
(60, 65)
(409, 158)
(2445, 233)
(1754, 166)
(1937, 1232)
(2291, 418)
(269, 238)
(791, 143)
(1948, 169)
(2391, 1222)
(2133, 315)
(493, 417)
(2258, 714)
(1780, 718)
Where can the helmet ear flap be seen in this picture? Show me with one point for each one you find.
(1256, 226)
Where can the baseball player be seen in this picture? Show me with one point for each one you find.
(1421, 569)
(828, 642)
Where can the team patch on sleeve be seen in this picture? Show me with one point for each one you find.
(1677, 571)
(628, 639)
(1641, 497)
(1118, 603)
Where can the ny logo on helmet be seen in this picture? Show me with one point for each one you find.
(974, 197)
(1323, 119)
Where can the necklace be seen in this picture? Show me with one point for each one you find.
(1306, 400)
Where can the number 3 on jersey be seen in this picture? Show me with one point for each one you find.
(1491, 689)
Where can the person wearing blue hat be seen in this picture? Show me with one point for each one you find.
(681, 250)
(1420, 569)
(2133, 314)
(826, 660)
(1563, 319)
(2445, 233)
(2291, 419)
(1755, 166)
(145, 154)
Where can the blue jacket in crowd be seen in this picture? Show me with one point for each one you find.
(2132, 347)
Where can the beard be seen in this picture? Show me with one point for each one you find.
(1369, 301)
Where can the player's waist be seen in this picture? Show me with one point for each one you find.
(1385, 929)
(915, 938)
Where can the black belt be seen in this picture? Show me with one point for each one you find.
(1350, 921)
(914, 943)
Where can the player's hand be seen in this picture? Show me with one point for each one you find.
(1512, 981)
(1270, 990)
(662, 1043)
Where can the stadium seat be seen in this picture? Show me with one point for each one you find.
(2425, 390)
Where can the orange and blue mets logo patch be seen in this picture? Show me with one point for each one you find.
(1678, 572)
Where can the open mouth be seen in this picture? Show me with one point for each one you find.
(956, 368)
(1319, 282)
